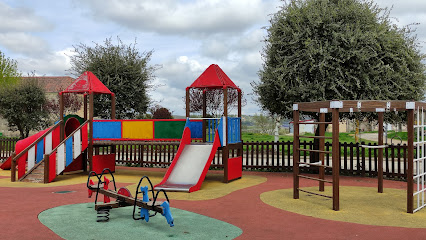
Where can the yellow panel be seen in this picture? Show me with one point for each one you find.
(138, 129)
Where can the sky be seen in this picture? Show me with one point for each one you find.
(185, 35)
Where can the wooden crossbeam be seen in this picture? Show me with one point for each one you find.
(312, 150)
(314, 164)
(316, 179)
(321, 195)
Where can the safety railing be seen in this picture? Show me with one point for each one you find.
(66, 152)
(29, 158)
(234, 131)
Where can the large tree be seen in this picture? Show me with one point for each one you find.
(337, 49)
(9, 74)
(22, 107)
(123, 69)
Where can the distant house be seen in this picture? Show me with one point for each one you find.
(52, 86)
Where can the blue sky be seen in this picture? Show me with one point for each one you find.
(186, 36)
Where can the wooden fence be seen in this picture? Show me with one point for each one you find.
(7, 147)
(258, 156)
(273, 156)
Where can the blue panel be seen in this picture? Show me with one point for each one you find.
(109, 130)
(234, 130)
(68, 151)
(220, 130)
(40, 151)
(196, 129)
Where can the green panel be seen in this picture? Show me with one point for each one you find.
(168, 129)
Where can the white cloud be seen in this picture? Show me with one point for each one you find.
(51, 64)
(21, 19)
(184, 17)
(24, 43)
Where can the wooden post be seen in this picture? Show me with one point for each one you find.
(113, 106)
(90, 147)
(85, 107)
(61, 116)
(46, 168)
(380, 154)
(204, 114)
(187, 103)
(335, 158)
(13, 168)
(321, 148)
(410, 158)
(296, 154)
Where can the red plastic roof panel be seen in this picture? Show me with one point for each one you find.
(213, 77)
(87, 83)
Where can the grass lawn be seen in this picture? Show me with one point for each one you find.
(254, 137)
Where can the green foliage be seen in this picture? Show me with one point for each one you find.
(22, 107)
(9, 74)
(162, 113)
(123, 69)
(264, 123)
(337, 49)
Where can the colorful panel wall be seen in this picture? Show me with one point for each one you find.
(169, 129)
(138, 129)
(107, 129)
(144, 129)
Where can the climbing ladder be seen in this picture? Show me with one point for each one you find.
(419, 162)
(297, 163)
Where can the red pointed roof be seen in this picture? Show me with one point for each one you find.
(213, 77)
(87, 83)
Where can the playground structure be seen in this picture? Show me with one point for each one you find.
(124, 198)
(68, 145)
(415, 164)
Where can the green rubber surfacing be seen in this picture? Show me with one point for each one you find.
(78, 221)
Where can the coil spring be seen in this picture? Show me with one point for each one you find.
(103, 215)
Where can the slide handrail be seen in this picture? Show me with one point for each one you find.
(36, 141)
(69, 136)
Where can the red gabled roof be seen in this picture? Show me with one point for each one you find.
(213, 77)
(87, 83)
(52, 84)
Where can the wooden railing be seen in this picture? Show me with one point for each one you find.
(47, 156)
(271, 156)
(7, 147)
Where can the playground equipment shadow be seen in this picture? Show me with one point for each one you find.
(259, 205)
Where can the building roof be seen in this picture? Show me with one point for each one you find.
(53, 84)
(213, 77)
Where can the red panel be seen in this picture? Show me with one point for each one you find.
(235, 168)
(52, 166)
(76, 165)
(103, 161)
(56, 138)
(84, 138)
